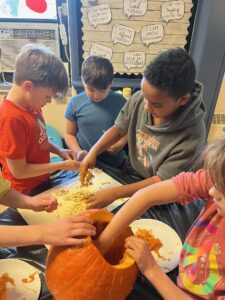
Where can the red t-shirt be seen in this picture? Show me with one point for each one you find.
(22, 135)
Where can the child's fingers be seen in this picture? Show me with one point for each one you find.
(92, 202)
(75, 242)
(95, 205)
(73, 155)
(81, 155)
(83, 170)
(50, 208)
(48, 200)
(83, 232)
(82, 226)
(48, 203)
(70, 155)
(90, 199)
(134, 243)
(131, 253)
(80, 219)
(76, 164)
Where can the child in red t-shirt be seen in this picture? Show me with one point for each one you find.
(24, 146)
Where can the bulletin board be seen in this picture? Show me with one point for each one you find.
(130, 33)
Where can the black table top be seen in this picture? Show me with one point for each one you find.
(179, 217)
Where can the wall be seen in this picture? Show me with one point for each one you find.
(220, 106)
(54, 115)
(217, 128)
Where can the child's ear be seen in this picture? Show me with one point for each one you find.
(184, 99)
(27, 85)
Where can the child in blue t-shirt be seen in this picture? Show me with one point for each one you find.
(92, 112)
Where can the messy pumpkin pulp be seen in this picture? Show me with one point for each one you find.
(81, 273)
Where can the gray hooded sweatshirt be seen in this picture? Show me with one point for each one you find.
(167, 149)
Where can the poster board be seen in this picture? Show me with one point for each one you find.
(130, 33)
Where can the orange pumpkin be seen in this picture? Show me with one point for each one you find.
(82, 273)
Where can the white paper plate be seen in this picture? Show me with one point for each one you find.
(172, 244)
(20, 271)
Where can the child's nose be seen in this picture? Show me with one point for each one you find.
(95, 96)
(212, 191)
(147, 106)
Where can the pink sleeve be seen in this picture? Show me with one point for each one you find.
(192, 186)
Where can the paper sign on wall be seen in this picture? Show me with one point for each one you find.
(135, 7)
(122, 34)
(134, 59)
(101, 50)
(152, 33)
(173, 10)
(99, 14)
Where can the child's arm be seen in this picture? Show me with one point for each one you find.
(106, 196)
(111, 136)
(63, 232)
(139, 251)
(38, 203)
(71, 140)
(20, 169)
(70, 136)
(115, 148)
(64, 153)
(160, 193)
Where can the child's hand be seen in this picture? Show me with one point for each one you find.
(42, 203)
(70, 165)
(67, 154)
(139, 251)
(101, 199)
(81, 155)
(68, 231)
(88, 163)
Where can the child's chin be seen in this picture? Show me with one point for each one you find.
(221, 212)
(98, 100)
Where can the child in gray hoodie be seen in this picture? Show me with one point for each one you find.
(164, 122)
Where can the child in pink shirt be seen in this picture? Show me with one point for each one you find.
(202, 260)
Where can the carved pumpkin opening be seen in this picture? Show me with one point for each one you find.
(115, 256)
(80, 273)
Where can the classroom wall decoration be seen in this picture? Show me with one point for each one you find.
(131, 33)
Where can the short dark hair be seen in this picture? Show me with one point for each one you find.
(97, 72)
(173, 70)
(42, 67)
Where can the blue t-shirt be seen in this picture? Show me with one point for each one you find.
(93, 119)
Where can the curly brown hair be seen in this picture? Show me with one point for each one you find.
(172, 70)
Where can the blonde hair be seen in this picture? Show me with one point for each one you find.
(214, 163)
